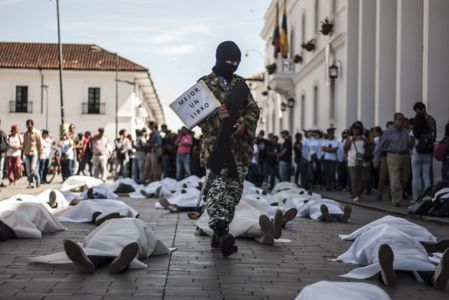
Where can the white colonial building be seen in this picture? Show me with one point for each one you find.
(384, 55)
(29, 88)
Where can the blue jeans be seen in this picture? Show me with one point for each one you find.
(284, 171)
(138, 169)
(182, 162)
(43, 169)
(421, 172)
(32, 165)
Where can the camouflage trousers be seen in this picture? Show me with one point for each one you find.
(223, 195)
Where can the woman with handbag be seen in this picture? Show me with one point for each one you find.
(355, 149)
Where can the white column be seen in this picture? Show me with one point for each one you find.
(367, 61)
(409, 55)
(435, 61)
(351, 63)
(385, 87)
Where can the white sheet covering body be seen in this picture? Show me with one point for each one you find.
(418, 232)
(83, 212)
(409, 254)
(312, 210)
(60, 198)
(327, 290)
(110, 238)
(245, 217)
(28, 219)
(187, 197)
(74, 182)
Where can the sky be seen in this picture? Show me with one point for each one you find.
(174, 39)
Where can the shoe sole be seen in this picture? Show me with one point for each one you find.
(441, 246)
(164, 203)
(173, 208)
(227, 244)
(441, 275)
(126, 256)
(277, 224)
(289, 215)
(346, 213)
(76, 254)
(52, 199)
(325, 213)
(386, 258)
(266, 226)
(114, 215)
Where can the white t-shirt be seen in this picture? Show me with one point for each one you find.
(46, 148)
(67, 148)
(255, 153)
(14, 141)
(332, 144)
(359, 144)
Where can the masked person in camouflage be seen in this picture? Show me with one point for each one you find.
(223, 191)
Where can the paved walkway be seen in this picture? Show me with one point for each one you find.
(195, 271)
(384, 205)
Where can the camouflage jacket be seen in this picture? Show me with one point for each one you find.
(242, 148)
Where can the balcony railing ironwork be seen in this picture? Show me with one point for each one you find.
(21, 106)
(93, 108)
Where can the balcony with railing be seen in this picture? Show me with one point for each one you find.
(281, 79)
(93, 108)
(21, 107)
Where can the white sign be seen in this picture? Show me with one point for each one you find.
(195, 104)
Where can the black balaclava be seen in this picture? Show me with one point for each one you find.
(226, 51)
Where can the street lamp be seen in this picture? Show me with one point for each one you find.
(283, 106)
(291, 102)
(333, 71)
(60, 64)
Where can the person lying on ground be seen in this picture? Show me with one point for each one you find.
(326, 210)
(26, 220)
(326, 290)
(51, 199)
(118, 243)
(97, 211)
(384, 249)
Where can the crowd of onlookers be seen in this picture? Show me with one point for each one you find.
(153, 154)
(397, 159)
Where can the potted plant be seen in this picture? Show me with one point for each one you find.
(309, 46)
(326, 27)
(297, 59)
(271, 68)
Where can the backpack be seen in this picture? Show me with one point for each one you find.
(440, 151)
(425, 143)
(423, 204)
(4, 144)
(440, 206)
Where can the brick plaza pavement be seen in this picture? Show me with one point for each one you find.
(194, 271)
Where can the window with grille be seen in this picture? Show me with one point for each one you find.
(93, 101)
(21, 98)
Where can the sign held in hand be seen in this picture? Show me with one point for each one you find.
(195, 104)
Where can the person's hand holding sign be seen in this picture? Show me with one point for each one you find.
(223, 113)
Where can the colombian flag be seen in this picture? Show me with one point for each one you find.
(276, 36)
(284, 37)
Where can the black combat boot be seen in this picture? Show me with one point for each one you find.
(225, 239)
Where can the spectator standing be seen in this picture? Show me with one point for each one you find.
(122, 147)
(100, 154)
(14, 154)
(285, 156)
(395, 142)
(4, 145)
(184, 143)
(67, 153)
(139, 159)
(87, 154)
(306, 166)
(315, 159)
(47, 144)
(422, 141)
(155, 166)
(74, 138)
(272, 152)
(355, 148)
(330, 148)
(420, 108)
(262, 146)
(32, 149)
(342, 164)
(253, 172)
(297, 150)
